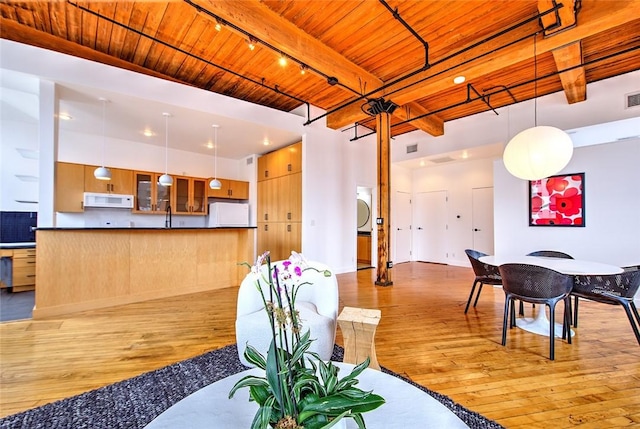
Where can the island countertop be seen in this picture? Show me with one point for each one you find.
(134, 228)
(81, 269)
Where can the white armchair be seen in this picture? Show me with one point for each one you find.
(317, 304)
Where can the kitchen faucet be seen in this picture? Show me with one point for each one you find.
(167, 217)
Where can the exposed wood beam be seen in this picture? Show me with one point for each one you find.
(383, 134)
(573, 81)
(267, 25)
(566, 15)
(594, 20)
(10, 30)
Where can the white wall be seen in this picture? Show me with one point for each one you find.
(458, 179)
(612, 208)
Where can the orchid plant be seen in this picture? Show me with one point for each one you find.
(299, 390)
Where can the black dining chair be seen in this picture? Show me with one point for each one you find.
(614, 289)
(546, 254)
(485, 274)
(538, 285)
(550, 254)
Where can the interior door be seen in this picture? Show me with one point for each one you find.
(430, 227)
(401, 220)
(482, 219)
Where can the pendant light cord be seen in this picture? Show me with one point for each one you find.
(535, 82)
(166, 143)
(215, 152)
(104, 114)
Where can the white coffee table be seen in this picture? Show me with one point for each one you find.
(406, 406)
(540, 324)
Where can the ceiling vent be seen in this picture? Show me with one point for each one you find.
(249, 160)
(412, 148)
(442, 160)
(632, 100)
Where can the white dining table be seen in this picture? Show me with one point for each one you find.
(540, 324)
(405, 405)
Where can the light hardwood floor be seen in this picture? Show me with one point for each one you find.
(423, 334)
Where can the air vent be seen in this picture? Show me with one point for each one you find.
(249, 161)
(442, 160)
(412, 148)
(632, 100)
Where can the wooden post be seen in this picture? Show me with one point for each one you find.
(383, 127)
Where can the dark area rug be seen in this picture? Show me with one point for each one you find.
(133, 403)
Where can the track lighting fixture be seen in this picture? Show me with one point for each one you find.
(219, 24)
(303, 69)
(251, 43)
(283, 60)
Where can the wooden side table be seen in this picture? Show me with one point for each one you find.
(358, 326)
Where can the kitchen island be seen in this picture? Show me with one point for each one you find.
(82, 269)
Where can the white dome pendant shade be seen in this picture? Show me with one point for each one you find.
(165, 179)
(103, 173)
(538, 152)
(215, 183)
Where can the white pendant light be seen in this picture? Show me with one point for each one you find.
(215, 183)
(103, 173)
(537, 152)
(165, 179)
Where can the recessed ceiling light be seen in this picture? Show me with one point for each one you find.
(65, 116)
(148, 133)
(209, 145)
(465, 154)
(422, 163)
(282, 61)
(459, 79)
(265, 142)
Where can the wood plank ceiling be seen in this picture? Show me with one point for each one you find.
(348, 48)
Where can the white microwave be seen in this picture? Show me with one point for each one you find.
(116, 201)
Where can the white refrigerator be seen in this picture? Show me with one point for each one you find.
(228, 214)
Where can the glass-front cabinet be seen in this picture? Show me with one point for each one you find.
(190, 196)
(150, 196)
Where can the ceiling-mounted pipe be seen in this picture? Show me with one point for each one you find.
(509, 88)
(425, 45)
(189, 54)
(402, 78)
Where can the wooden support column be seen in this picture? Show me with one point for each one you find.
(383, 127)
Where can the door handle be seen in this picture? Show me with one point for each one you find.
(476, 229)
(419, 227)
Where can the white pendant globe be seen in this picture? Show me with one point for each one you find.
(215, 184)
(165, 180)
(538, 152)
(102, 173)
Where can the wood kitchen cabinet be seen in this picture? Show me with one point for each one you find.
(280, 202)
(281, 162)
(190, 195)
(18, 269)
(231, 189)
(121, 181)
(150, 197)
(69, 187)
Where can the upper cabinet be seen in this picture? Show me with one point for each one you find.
(149, 195)
(231, 189)
(281, 162)
(69, 187)
(121, 181)
(190, 195)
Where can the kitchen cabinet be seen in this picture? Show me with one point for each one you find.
(280, 202)
(190, 195)
(281, 162)
(149, 196)
(121, 181)
(231, 189)
(364, 248)
(69, 187)
(18, 269)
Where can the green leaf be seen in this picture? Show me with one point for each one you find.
(249, 380)
(335, 405)
(263, 415)
(273, 374)
(260, 394)
(255, 357)
(354, 373)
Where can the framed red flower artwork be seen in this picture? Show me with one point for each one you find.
(557, 201)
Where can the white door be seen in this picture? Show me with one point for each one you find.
(430, 227)
(482, 219)
(401, 225)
